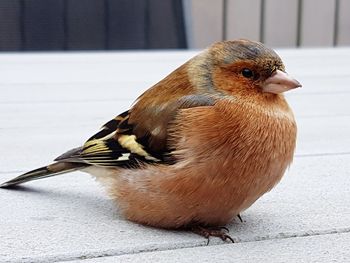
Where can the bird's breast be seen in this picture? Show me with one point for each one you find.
(242, 152)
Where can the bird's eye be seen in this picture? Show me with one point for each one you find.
(247, 73)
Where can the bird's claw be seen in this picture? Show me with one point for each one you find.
(207, 232)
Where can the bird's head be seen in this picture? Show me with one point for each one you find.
(242, 66)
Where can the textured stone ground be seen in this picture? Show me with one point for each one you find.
(52, 102)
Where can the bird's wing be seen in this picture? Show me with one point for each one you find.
(129, 141)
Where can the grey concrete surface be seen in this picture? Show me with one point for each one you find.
(320, 249)
(52, 102)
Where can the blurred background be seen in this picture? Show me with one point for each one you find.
(57, 25)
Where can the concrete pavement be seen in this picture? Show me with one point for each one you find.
(53, 102)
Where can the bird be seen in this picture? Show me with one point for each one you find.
(197, 148)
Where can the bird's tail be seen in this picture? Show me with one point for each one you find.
(43, 172)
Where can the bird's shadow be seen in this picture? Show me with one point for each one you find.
(98, 203)
(101, 205)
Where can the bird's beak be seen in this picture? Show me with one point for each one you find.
(280, 82)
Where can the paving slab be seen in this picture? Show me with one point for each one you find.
(53, 102)
(70, 216)
(320, 249)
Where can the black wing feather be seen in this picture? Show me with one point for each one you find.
(116, 145)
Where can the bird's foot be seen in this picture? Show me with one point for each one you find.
(240, 218)
(207, 232)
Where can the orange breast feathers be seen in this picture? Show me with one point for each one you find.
(244, 147)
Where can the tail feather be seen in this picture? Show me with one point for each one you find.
(43, 172)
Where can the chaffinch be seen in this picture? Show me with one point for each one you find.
(197, 148)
